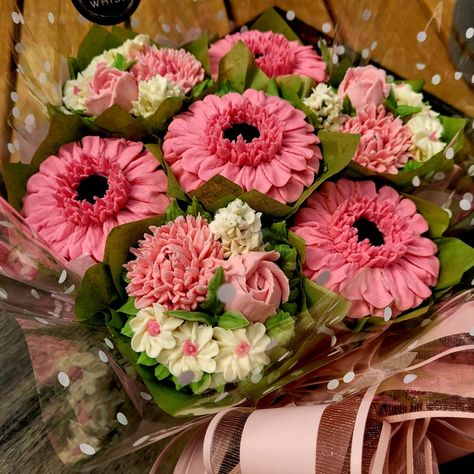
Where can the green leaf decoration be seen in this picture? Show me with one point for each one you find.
(199, 48)
(127, 330)
(406, 110)
(165, 112)
(270, 20)
(217, 192)
(201, 385)
(114, 319)
(347, 107)
(143, 359)
(96, 292)
(120, 123)
(212, 304)
(288, 255)
(391, 101)
(279, 229)
(64, 128)
(16, 176)
(339, 71)
(97, 41)
(299, 244)
(173, 211)
(325, 53)
(294, 89)
(72, 67)
(122, 34)
(195, 209)
(453, 127)
(338, 150)
(281, 327)
(162, 372)
(232, 320)
(119, 241)
(119, 62)
(411, 165)
(192, 316)
(238, 70)
(456, 258)
(415, 84)
(437, 218)
(324, 306)
(129, 307)
(262, 203)
(174, 190)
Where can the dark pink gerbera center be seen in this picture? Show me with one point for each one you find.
(369, 232)
(92, 190)
(244, 135)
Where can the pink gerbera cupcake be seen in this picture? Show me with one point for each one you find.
(88, 188)
(385, 143)
(274, 53)
(177, 65)
(174, 264)
(257, 141)
(370, 243)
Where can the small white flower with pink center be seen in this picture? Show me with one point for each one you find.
(241, 351)
(153, 330)
(194, 351)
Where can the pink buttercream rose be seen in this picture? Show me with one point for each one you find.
(364, 85)
(260, 285)
(111, 86)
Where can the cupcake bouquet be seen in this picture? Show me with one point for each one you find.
(238, 214)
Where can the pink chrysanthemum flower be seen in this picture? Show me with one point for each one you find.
(370, 243)
(173, 266)
(177, 65)
(385, 143)
(88, 188)
(257, 141)
(275, 55)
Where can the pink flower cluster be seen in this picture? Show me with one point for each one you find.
(174, 264)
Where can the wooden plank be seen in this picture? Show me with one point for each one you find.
(176, 23)
(7, 7)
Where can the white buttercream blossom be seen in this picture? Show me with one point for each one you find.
(241, 351)
(427, 130)
(153, 330)
(238, 227)
(152, 93)
(75, 93)
(405, 95)
(326, 104)
(194, 351)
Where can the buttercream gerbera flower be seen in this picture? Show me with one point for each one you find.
(241, 351)
(370, 242)
(238, 227)
(174, 264)
(427, 131)
(385, 143)
(88, 188)
(153, 330)
(257, 141)
(274, 54)
(177, 65)
(194, 351)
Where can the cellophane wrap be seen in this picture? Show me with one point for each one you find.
(402, 392)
